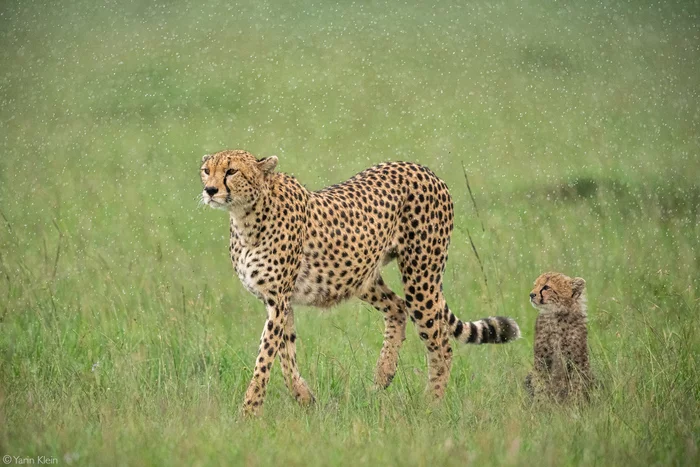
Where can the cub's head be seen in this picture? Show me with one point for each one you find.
(555, 292)
(234, 178)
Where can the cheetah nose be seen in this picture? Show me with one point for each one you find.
(532, 295)
(211, 190)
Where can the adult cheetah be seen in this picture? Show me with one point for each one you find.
(292, 246)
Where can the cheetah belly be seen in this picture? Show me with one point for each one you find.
(327, 286)
(308, 291)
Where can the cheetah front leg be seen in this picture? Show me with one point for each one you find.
(270, 343)
(288, 360)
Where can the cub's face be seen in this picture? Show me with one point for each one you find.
(234, 178)
(554, 291)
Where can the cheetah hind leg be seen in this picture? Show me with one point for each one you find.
(426, 310)
(288, 360)
(381, 297)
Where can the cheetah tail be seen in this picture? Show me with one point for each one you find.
(491, 330)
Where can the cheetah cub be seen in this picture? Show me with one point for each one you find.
(561, 370)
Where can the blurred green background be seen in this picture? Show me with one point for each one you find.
(125, 337)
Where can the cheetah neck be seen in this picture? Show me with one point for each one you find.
(578, 308)
(245, 221)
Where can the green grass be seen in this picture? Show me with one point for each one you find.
(125, 337)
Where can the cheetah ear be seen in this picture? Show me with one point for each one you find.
(268, 164)
(578, 285)
(206, 157)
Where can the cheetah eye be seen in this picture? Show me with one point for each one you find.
(231, 172)
(546, 287)
(206, 171)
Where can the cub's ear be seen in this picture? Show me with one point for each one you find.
(578, 285)
(268, 164)
(206, 157)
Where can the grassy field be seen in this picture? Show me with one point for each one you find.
(125, 337)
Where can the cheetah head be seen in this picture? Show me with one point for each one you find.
(234, 178)
(554, 291)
